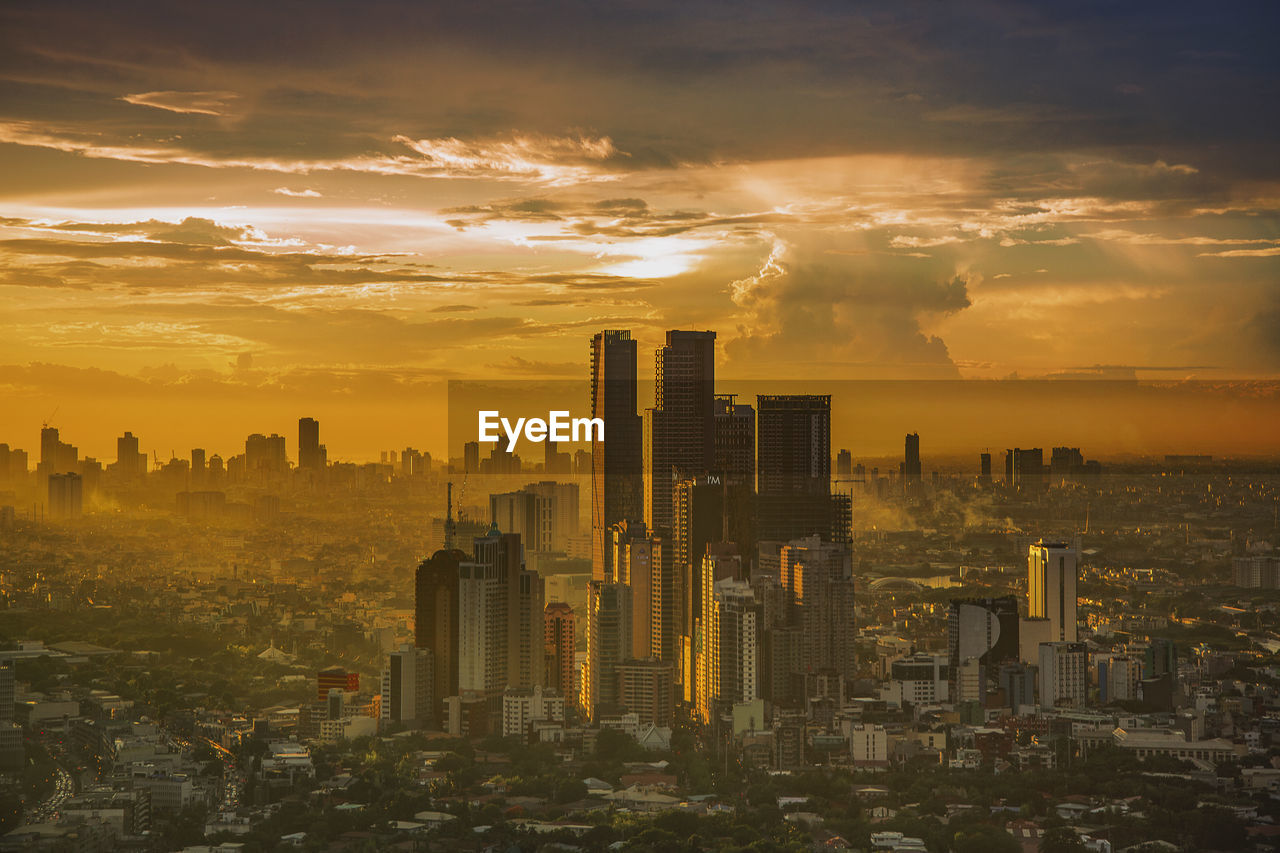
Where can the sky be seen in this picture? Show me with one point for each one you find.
(216, 218)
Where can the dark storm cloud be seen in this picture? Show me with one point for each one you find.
(676, 82)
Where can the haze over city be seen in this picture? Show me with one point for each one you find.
(345, 208)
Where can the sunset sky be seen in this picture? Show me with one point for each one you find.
(215, 218)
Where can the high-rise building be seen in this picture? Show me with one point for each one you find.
(545, 514)
(698, 519)
(406, 689)
(616, 463)
(638, 561)
(436, 619)
(818, 579)
(560, 645)
(730, 653)
(1024, 469)
(720, 562)
(1064, 674)
(66, 496)
(844, 463)
(679, 431)
(1051, 588)
(501, 629)
(311, 453)
(1119, 677)
(911, 466)
(647, 688)
(130, 462)
(734, 453)
(609, 638)
(984, 469)
(265, 454)
(794, 469)
(984, 630)
(8, 690)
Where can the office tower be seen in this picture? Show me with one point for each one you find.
(1024, 469)
(794, 469)
(984, 470)
(198, 467)
(265, 454)
(501, 632)
(13, 463)
(817, 577)
(637, 560)
(911, 464)
(720, 561)
(735, 463)
(646, 688)
(698, 519)
(679, 431)
(544, 514)
(66, 496)
(734, 452)
(729, 668)
(1064, 674)
(1065, 463)
(617, 462)
(984, 631)
(471, 457)
(608, 643)
(844, 463)
(407, 680)
(130, 462)
(560, 644)
(56, 456)
(1051, 588)
(310, 451)
(336, 678)
(436, 618)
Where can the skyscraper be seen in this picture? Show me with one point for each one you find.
(406, 689)
(679, 431)
(1024, 469)
(911, 466)
(560, 641)
(310, 451)
(609, 638)
(1064, 675)
(984, 631)
(638, 561)
(1051, 588)
(66, 496)
(436, 619)
(794, 469)
(616, 463)
(730, 655)
(817, 577)
(501, 627)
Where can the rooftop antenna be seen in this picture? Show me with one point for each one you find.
(450, 528)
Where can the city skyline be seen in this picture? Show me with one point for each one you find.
(200, 218)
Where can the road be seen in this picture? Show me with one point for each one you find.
(63, 788)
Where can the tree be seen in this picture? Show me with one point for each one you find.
(1062, 839)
